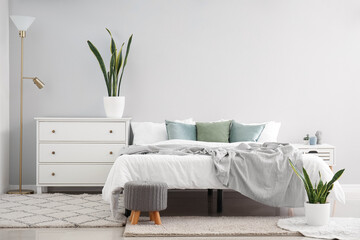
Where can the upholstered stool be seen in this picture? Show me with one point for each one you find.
(143, 196)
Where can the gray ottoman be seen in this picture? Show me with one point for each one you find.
(144, 196)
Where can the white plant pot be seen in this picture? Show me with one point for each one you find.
(317, 214)
(114, 106)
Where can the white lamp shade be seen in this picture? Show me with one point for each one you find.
(22, 22)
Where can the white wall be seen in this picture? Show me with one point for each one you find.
(4, 95)
(251, 60)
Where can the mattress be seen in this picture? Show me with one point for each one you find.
(191, 171)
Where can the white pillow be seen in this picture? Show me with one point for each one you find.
(149, 132)
(270, 132)
(186, 121)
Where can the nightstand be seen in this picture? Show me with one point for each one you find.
(324, 151)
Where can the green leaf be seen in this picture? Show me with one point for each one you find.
(321, 184)
(307, 179)
(125, 61)
(128, 49)
(119, 60)
(297, 172)
(101, 63)
(336, 176)
(113, 74)
(112, 43)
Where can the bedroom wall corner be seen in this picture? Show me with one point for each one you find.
(4, 95)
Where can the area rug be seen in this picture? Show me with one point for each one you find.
(56, 211)
(338, 228)
(208, 227)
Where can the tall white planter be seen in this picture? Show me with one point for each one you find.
(317, 214)
(114, 106)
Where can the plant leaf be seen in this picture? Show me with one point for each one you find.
(336, 176)
(112, 43)
(311, 189)
(297, 172)
(125, 61)
(101, 63)
(112, 74)
(119, 60)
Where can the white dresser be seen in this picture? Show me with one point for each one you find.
(325, 151)
(77, 151)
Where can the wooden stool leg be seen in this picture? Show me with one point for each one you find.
(157, 218)
(131, 215)
(290, 212)
(135, 217)
(151, 215)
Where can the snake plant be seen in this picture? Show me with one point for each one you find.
(113, 77)
(321, 190)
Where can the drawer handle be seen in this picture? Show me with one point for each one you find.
(53, 174)
(313, 151)
(111, 131)
(53, 131)
(111, 153)
(53, 152)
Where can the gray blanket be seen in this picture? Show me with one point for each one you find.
(258, 171)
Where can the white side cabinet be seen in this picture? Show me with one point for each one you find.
(325, 151)
(77, 151)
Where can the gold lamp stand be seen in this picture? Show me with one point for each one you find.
(23, 22)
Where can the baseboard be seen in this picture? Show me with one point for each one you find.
(28, 187)
(352, 191)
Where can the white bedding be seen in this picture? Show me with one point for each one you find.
(191, 171)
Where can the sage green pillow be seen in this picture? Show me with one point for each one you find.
(245, 133)
(176, 130)
(213, 131)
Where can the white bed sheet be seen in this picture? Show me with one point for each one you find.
(191, 171)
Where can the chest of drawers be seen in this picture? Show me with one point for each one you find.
(77, 151)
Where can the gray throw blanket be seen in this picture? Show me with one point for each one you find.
(258, 171)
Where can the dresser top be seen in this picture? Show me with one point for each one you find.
(81, 119)
(319, 146)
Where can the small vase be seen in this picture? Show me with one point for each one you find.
(114, 106)
(317, 214)
(313, 140)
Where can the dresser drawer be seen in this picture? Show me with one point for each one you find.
(73, 174)
(82, 131)
(326, 154)
(62, 153)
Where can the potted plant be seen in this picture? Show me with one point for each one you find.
(306, 139)
(317, 209)
(114, 103)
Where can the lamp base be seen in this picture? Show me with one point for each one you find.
(23, 191)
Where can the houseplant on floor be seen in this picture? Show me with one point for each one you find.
(317, 209)
(114, 103)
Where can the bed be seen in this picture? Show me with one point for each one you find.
(189, 171)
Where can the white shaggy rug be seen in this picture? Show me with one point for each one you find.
(207, 226)
(338, 228)
(56, 210)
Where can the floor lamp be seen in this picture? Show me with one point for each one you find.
(23, 23)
